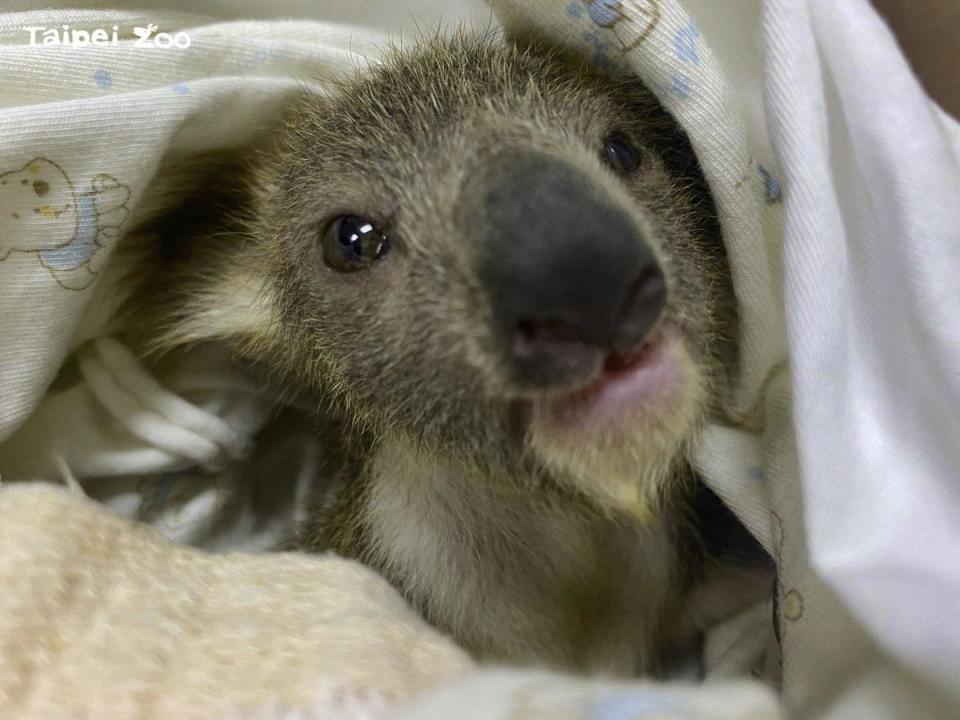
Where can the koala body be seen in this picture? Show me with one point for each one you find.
(500, 275)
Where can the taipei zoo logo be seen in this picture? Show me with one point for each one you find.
(143, 37)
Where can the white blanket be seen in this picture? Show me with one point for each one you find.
(815, 138)
(872, 253)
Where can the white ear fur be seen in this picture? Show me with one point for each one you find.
(236, 303)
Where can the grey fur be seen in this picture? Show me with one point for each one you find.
(441, 484)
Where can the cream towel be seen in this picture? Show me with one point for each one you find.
(101, 618)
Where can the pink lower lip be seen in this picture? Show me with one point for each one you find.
(647, 381)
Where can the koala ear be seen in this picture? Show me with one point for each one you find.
(237, 304)
(192, 277)
(526, 37)
(514, 20)
(211, 297)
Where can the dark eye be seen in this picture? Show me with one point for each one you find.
(620, 154)
(351, 243)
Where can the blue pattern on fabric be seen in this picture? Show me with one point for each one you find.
(632, 707)
(685, 44)
(103, 78)
(83, 245)
(605, 13)
(772, 189)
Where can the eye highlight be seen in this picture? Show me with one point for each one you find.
(352, 243)
(620, 154)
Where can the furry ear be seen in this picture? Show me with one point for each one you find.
(519, 30)
(525, 37)
(231, 303)
(514, 20)
(187, 265)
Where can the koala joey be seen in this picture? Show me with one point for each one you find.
(500, 274)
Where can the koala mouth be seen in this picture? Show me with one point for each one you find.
(647, 379)
(621, 363)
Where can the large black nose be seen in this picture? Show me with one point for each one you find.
(566, 266)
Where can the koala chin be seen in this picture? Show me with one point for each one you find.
(500, 276)
(618, 440)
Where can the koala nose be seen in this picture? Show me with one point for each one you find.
(567, 268)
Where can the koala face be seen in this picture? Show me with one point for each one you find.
(37, 207)
(496, 254)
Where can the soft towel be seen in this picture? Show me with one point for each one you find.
(103, 618)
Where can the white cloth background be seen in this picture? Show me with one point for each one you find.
(872, 252)
(83, 131)
(815, 138)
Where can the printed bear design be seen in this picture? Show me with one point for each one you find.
(69, 231)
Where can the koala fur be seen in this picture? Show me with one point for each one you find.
(530, 537)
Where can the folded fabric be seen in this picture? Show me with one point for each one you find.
(89, 128)
(103, 618)
(531, 695)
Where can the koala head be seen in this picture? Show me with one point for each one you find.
(37, 206)
(493, 253)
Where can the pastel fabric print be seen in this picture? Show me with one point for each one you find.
(685, 48)
(635, 706)
(103, 78)
(685, 43)
(773, 192)
(630, 24)
(69, 230)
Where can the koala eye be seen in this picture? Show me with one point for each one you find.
(351, 243)
(620, 154)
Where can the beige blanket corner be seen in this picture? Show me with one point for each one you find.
(102, 618)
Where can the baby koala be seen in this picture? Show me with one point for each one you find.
(500, 273)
